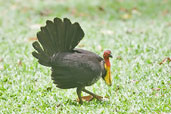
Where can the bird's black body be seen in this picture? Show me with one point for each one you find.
(76, 69)
(71, 68)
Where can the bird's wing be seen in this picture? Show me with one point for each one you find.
(89, 53)
(75, 69)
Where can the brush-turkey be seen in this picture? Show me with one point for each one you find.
(71, 67)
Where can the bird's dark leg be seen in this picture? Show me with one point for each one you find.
(94, 95)
(79, 89)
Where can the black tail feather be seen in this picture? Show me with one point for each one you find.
(42, 59)
(60, 36)
(56, 36)
(37, 47)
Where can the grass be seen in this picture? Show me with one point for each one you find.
(137, 33)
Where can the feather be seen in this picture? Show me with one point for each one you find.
(56, 36)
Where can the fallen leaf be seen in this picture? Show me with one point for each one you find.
(1, 67)
(165, 60)
(135, 11)
(165, 113)
(20, 63)
(76, 13)
(73, 11)
(26, 9)
(123, 9)
(14, 6)
(35, 26)
(168, 25)
(101, 8)
(165, 12)
(32, 39)
(45, 12)
(81, 45)
(155, 89)
(129, 31)
(119, 58)
(165, 1)
(109, 32)
(157, 94)
(126, 16)
(120, 0)
(82, 14)
(1, 59)
(133, 81)
(102, 22)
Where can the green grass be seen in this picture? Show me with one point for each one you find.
(137, 32)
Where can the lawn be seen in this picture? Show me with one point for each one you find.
(138, 33)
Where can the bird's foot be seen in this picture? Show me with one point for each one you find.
(100, 98)
(90, 98)
(86, 98)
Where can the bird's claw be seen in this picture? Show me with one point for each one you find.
(100, 98)
(90, 98)
(85, 98)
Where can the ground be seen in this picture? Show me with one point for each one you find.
(137, 33)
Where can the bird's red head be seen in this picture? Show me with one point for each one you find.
(107, 54)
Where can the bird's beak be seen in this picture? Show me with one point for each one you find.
(110, 56)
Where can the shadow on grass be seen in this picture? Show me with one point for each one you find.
(94, 101)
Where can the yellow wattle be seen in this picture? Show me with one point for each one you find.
(107, 77)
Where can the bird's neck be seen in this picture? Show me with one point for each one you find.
(107, 62)
(107, 77)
